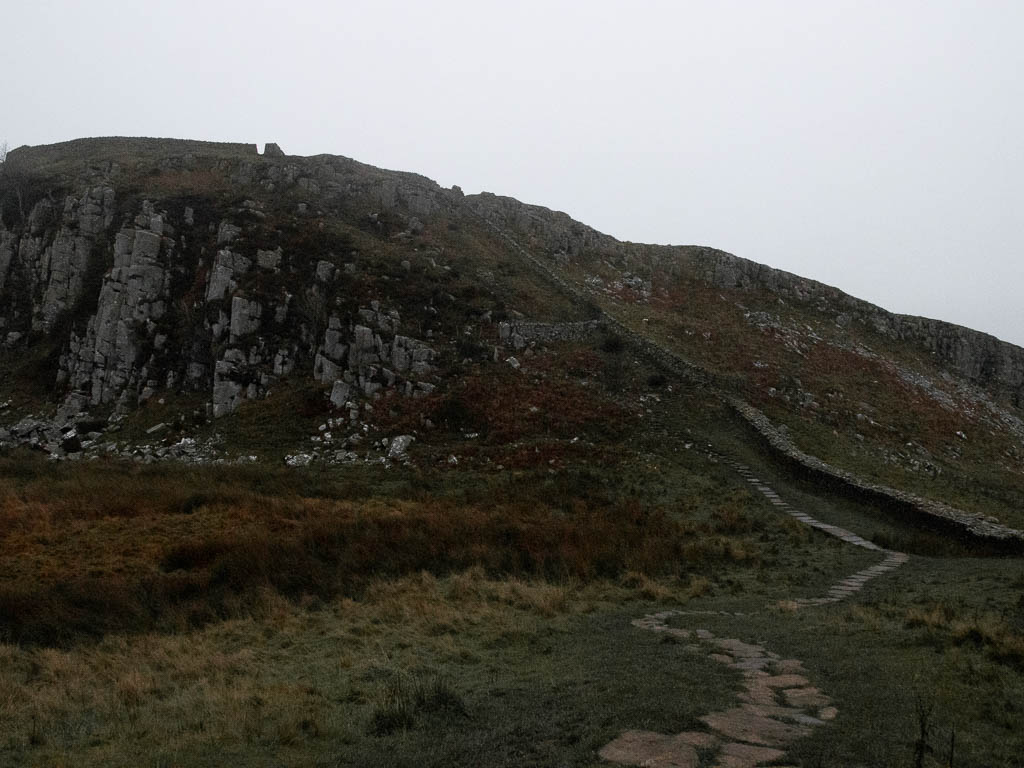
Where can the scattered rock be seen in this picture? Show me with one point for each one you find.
(399, 446)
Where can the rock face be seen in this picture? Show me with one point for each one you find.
(54, 251)
(981, 358)
(139, 299)
(237, 277)
(109, 358)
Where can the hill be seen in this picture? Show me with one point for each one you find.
(301, 413)
(164, 281)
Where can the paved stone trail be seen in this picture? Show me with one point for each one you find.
(778, 704)
(849, 585)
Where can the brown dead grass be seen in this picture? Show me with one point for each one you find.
(988, 631)
(91, 559)
(263, 681)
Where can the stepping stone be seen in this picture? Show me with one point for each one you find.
(789, 666)
(675, 631)
(828, 713)
(650, 749)
(741, 725)
(704, 634)
(753, 664)
(808, 720)
(760, 695)
(772, 710)
(722, 658)
(698, 739)
(735, 755)
(738, 648)
(808, 697)
(784, 681)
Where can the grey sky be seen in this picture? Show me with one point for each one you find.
(876, 146)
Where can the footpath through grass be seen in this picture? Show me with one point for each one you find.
(258, 616)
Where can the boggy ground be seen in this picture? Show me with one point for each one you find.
(247, 615)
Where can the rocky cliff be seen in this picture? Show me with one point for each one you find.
(130, 268)
(144, 295)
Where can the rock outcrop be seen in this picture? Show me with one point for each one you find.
(979, 357)
(108, 362)
(141, 300)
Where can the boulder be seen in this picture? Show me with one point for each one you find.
(399, 446)
(227, 233)
(324, 271)
(340, 393)
(269, 259)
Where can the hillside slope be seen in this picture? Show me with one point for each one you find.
(164, 298)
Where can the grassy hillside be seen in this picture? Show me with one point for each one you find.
(457, 562)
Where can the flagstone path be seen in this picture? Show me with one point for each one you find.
(778, 704)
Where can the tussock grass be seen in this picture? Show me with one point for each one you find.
(1000, 636)
(406, 657)
(87, 551)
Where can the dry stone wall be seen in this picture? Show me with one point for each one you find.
(980, 358)
(977, 526)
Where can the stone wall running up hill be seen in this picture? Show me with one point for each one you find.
(979, 357)
(977, 526)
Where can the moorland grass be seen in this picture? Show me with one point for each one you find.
(189, 616)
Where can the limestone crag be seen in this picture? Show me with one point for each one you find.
(151, 267)
(372, 357)
(53, 252)
(152, 299)
(109, 359)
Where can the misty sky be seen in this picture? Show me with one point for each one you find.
(875, 146)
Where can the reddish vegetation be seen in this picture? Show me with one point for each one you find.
(93, 565)
(504, 405)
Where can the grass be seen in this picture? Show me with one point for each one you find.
(475, 668)
(913, 443)
(178, 547)
(505, 671)
(930, 635)
(364, 616)
(478, 612)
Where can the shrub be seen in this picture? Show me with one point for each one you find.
(613, 344)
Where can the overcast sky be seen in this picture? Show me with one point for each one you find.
(875, 146)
